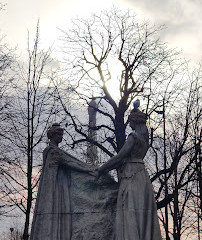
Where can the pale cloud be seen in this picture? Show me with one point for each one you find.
(182, 20)
(21, 16)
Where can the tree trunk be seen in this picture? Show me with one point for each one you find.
(120, 130)
(29, 200)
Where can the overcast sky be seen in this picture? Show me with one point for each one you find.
(182, 19)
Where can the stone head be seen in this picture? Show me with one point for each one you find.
(136, 118)
(55, 133)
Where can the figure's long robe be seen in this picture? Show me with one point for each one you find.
(52, 217)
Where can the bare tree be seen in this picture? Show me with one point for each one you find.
(182, 154)
(7, 60)
(27, 121)
(115, 47)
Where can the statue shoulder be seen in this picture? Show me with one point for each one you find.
(51, 151)
(134, 135)
(138, 138)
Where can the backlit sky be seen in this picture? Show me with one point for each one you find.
(181, 17)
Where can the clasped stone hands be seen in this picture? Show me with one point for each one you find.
(96, 172)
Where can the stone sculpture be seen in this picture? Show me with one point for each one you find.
(70, 203)
(136, 213)
(74, 205)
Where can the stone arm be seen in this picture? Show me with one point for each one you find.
(74, 163)
(61, 157)
(119, 158)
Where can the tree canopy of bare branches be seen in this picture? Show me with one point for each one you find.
(114, 48)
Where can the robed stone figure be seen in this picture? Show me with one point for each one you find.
(136, 212)
(52, 217)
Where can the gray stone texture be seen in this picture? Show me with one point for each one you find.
(93, 206)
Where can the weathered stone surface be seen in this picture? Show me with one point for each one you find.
(93, 205)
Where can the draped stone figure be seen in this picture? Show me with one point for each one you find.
(71, 204)
(52, 218)
(136, 213)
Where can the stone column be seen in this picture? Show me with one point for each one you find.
(92, 154)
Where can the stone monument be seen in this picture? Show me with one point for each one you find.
(92, 155)
(73, 204)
